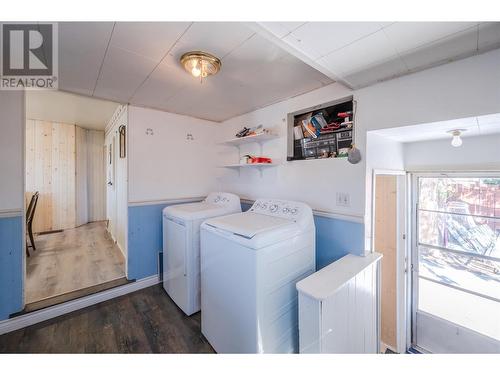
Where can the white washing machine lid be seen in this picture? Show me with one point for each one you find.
(198, 210)
(249, 224)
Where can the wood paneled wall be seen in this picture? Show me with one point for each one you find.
(65, 163)
(386, 244)
(81, 196)
(96, 175)
(50, 169)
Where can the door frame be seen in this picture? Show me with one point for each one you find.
(402, 276)
(412, 248)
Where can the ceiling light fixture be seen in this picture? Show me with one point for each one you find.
(456, 140)
(200, 64)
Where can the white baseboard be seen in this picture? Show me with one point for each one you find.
(64, 308)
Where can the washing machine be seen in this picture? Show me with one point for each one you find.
(250, 263)
(181, 246)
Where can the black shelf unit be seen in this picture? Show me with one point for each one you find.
(325, 144)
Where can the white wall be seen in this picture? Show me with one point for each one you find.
(163, 163)
(464, 88)
(313, 181)
(476, 153)
(117, 194)
(12, 150)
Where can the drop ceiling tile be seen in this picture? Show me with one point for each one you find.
(281, 29)
(431, 131)
(492, 128)
(253, 54)
(359, 55)
(164, 83)
(489, 124)
(287, 78)
(380, 71)
(489, 35)
(489, 119)
(121, 74)
(444, 50)
(215, 95)
(82, 46)
(217, 38)
(317, 39)
(148, 39)
(406, 36)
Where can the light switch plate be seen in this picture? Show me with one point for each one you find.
(343, 200)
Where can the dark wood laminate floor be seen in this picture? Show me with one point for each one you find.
(146, 321)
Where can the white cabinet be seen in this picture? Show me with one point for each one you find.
(339, 307)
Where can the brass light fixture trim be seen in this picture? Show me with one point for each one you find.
(200, 64)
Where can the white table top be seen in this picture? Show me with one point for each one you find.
(325, 282)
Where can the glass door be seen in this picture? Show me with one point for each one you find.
(456, 263)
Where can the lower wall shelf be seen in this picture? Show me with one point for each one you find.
(258, 166)
(254, 165)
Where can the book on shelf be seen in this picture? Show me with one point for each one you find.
(297, 132)
(310, 130)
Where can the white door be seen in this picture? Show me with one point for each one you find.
(111, 188)
(456, 263)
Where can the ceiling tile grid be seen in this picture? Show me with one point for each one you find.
(262, 63)
(82, 47)
(470, 126)
(362, 53)
(138, 63)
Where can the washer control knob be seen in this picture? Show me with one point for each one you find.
(294, 211)
(273, 208)
(286, 210)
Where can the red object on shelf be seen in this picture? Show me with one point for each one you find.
(344, 114)
(259, 160)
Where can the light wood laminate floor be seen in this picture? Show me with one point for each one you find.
(71, 260)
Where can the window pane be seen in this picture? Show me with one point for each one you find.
(471, 234)
(466, 272)
(477, 196)
(489, 201)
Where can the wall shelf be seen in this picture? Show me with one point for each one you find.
(258, 166)
(258, 138)
(254, 165)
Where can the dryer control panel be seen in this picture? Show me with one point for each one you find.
(224, 199)
(296, 211)
(221, 198)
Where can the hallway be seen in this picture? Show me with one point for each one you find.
(71, 260)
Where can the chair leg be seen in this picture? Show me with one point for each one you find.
(30, 232)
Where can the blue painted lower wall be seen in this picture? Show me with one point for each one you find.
(334, 239)
(145, 240)
(11, 266)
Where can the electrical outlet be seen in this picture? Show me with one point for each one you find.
(343, 199)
